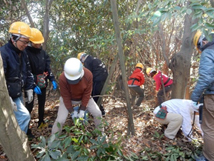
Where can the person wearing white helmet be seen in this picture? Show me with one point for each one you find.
(75, 85)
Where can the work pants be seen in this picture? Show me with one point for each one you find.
(173, 122)
(22, 115)
(63, 114)
(137, 91)
(208, 127)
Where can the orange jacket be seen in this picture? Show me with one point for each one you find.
(137, 77)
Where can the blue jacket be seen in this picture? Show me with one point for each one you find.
(16, 65)
(205, 83)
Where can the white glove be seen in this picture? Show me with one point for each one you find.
(81, 114)
(196, 106)
(14, 106)
(74, 115)
(29, 95)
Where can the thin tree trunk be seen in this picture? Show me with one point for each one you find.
(107, 80)
(181, 62)
(12, 138)
(46, 22)
(27, 12)
(122, 65)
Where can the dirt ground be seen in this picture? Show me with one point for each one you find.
(147, 131)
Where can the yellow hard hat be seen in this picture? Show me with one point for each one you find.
(80, 54)
(20, 28)
(139, 65)
(149, 71)
(36, 36)
(196, 39)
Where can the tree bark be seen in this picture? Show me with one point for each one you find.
(12, 138)
(122, 65)
(107, 80)
(181, 61)
(27, 12)
(46, 22)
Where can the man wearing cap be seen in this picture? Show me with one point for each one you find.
(17, 71)
(75, 87)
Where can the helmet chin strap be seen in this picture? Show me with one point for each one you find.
(15, 40)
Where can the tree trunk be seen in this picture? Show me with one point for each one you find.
(181, 62)
(107, 80)
(12, 138)
(46, 22)
(122, 65)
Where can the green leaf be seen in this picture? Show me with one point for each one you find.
(55, 144)
(41, 153)
(51, 139)
(74, 140)
(46, 158)
(93, 147)
(55, 154)
(67, 142)
(83, 158)
(209, 26)
(75, 155)
(93, 141)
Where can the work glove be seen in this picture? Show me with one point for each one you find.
(196, 105)
(75, 113)
(29, 95)
(14, 106)
(37, 90)
(54, 85)
(81, 114)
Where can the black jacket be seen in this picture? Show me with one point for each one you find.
(97, 68)
(16, 65)
(39, 62)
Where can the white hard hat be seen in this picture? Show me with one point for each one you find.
(73, 70)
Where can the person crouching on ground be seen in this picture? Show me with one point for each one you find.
(179, 113)
(75, 85)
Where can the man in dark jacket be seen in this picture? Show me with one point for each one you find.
(100, 74)
(205, 86)
(17, 70)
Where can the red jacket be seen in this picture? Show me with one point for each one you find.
(137, 77)
(157, 79)
(76, 92)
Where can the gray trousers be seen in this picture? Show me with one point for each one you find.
(137, 91)
(160, 94)
(208, 127)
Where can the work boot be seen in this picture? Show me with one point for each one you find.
(30, 135)
(102, 110)
(42, 125)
